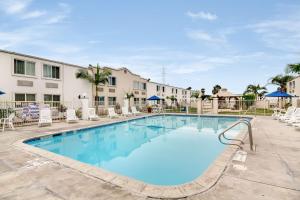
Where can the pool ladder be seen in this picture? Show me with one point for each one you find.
(241, 121)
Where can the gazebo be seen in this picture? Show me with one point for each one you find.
(227, 99)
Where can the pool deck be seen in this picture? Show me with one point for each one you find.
(272, 172)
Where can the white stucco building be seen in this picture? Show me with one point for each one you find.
(29, 78)
(35, 79)
(293, 87)
(163, 91)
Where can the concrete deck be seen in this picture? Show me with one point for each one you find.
(272, 172)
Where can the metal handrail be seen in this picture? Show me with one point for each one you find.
(244, 121)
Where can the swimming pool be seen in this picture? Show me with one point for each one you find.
(161, 150)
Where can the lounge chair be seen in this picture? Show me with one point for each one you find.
(125, 111)
(112, 113)
(45, 117)
(295, 118)
(134, 111)
(276, 113)
(92, 114)
(8, 121)
(287, 115)
(71, 116)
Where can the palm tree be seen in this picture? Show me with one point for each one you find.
(257, 90)
(262, 94)
(128, 96)
(99, 77)
(281, 81)
(203, 96)
(195, 94)
(293, 68)
(172, 98)
(216, 89)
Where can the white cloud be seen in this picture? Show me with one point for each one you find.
(14, 6)
(20, 8)
(33, 14)
(279, 33)
(206, 37)
(94, 42)
(202, 15)
(65, 10)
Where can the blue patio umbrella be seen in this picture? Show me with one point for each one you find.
(2, 92)
(153, 98)
(279, 94)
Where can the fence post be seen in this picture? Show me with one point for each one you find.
(215, 105)
(199, 106)
(85, 107)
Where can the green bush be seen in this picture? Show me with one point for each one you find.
(249, 100)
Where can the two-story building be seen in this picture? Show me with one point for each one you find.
(121, 82)
(34, 79)
(26, 78)
(165, 92)
(293, 86)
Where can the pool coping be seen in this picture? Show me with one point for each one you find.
(201, 184)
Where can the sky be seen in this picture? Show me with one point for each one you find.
(232, 43)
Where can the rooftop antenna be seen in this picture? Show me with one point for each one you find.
(163, 75)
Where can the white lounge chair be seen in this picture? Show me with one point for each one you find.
(92, 114)
(71, 116)
(45, 117)
(287, 115)
(276, 113)
(8, 121)
(134, 111)
(125, 111)
(294, 119)
(112, 113)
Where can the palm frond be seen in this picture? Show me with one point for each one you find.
(84, 74)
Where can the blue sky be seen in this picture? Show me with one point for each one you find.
(200, 43)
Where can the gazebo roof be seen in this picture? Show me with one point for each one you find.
(225, 93)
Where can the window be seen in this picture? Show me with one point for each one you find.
(157, 88)
(176, 91)
(163, 89)
(136, 101)
(20, 97)
(112, 101)
(143, 86)
(294, 84)
(139, 86)
(112, 81)
(135, 85)
(52, 99)
(24, 97)
(24, 67)
(50, 71)
(100, 100)
(172, 90)
(143, 101)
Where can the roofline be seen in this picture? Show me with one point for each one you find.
(168, 85)
(294, 78)
(124, 68)
(41, 58)
(64, 63)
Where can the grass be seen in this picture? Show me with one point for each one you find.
(259, 111)
(178, 110)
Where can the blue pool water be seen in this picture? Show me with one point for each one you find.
(160, 150)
